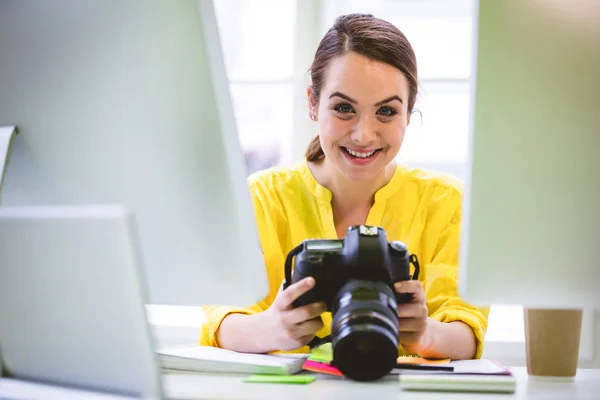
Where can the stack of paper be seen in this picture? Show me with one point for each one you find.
(196, 358)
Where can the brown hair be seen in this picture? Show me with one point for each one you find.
(368, 36)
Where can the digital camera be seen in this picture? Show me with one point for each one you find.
(355, 279)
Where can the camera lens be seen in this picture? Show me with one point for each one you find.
(364, 331)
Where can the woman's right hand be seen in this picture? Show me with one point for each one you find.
(293, 328)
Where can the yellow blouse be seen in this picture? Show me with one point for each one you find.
(419, 208)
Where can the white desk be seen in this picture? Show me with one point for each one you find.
(208, 386)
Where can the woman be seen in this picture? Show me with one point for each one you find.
(364, 85)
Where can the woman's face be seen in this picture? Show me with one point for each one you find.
(362, 114)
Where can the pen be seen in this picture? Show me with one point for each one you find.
(448, 368)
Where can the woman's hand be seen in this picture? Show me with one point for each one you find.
(413, 317)
(279, 327)
(291, 328)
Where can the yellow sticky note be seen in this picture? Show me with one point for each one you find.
(420, 360)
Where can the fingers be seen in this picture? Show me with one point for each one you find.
(308, 329)
(412, 325)
(300, 342)
(409, 338)
(413, 286)
(304, 313)
(286, 297)
(412, 310)
(299, 335)
(413, 316)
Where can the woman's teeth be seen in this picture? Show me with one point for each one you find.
(361, 155)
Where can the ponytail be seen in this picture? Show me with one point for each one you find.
(314, 151)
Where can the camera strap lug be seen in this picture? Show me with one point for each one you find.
(415, 262)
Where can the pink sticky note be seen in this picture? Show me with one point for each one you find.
(315, 366)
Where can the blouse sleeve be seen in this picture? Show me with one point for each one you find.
(441, 284)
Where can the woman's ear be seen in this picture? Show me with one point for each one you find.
(313, 108)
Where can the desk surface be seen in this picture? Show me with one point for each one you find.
(586, 386)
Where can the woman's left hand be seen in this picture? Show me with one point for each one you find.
(413, 317)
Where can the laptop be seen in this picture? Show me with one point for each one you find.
(72, 301)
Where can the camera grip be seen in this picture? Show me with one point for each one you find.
(307, 298)
(303, 270)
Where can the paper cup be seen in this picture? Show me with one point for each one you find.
(552, 342)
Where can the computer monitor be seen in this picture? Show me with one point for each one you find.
(531, 208)
(128, 102)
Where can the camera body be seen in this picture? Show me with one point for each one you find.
(364, 254)
(355, 279)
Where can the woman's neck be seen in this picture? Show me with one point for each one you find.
(349, 195)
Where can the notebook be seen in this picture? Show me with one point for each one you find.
(480, 383)
(483, 376)
(196, 358)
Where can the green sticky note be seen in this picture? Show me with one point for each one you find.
(290, 379)
(323, 353)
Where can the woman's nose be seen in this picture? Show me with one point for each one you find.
(364, 133)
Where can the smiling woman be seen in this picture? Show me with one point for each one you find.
(366, 71)
(362, 118)
(363, 89)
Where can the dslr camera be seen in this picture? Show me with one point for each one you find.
(355, 279)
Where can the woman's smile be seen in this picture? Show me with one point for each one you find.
(360, 156)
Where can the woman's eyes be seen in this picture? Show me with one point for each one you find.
(345, 108)
(387, 111)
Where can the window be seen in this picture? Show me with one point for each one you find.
(258, 40)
